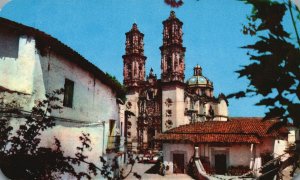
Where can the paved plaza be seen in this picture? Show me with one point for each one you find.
(142, 169)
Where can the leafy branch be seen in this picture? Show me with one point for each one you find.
(23, 157)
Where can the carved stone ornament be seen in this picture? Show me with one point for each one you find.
(168, 113)
(129, 134)
(168, 123)
(169, 102)
(128, 105)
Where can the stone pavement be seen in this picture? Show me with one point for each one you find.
(141, 168)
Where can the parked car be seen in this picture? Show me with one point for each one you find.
(149, 157)
(155, 158)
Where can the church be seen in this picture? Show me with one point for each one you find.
(184, 118)
(168, 102)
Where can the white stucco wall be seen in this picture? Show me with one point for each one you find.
(92, 100)
(34, 75)
(19, 73)
(133, 98)
(236, 154)
(169, 149)
(223, 110)
(240, 155)
(292, 136)
(176, 94)
(266, 146)
(220, 110)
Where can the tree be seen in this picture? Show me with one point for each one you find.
(275, 69)
(23, 157)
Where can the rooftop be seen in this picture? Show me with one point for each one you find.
(235, 130)
(47, 42)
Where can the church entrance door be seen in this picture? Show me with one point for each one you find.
(151, 135)
(220, 163)
(178, 163)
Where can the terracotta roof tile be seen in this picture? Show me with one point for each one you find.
(209, 138)
(235, 130)
(234, 125)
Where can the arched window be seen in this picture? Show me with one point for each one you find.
(129, 70)
(211, 112)
(150, 94)
(169, 65)
(140, 70)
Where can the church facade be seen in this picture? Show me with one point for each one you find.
(184, 118)
(160, 104)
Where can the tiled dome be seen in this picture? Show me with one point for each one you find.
(198, 79)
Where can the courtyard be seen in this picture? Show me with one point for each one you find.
(143, 170)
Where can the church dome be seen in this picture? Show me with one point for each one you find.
(198, 79)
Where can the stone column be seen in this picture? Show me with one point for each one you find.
(196, 152)
(252, 151)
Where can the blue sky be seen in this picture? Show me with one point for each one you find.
(96, 29)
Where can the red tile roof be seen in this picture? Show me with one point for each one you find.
(209, 138)
(235, 130)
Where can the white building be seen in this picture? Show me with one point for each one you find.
(239, 144)
(33, 63)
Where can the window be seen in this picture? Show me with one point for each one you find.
(111, 127)
(121, 128)
(68, 93)
(150, 94)
(129, 70)
(169, 65)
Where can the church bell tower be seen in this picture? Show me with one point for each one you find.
(172, 50)
(172, 73)
(134, 59)
(134, 75)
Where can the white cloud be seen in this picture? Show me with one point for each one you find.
(3, 2)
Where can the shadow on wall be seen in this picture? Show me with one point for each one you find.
(9, 44)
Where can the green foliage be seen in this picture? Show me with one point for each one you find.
(23, 157)
(274, 71)
(122, 93)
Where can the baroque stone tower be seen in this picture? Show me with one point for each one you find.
(172, 75)
(134, 59)
(172, 50)
(134, 76)
(157, 105)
